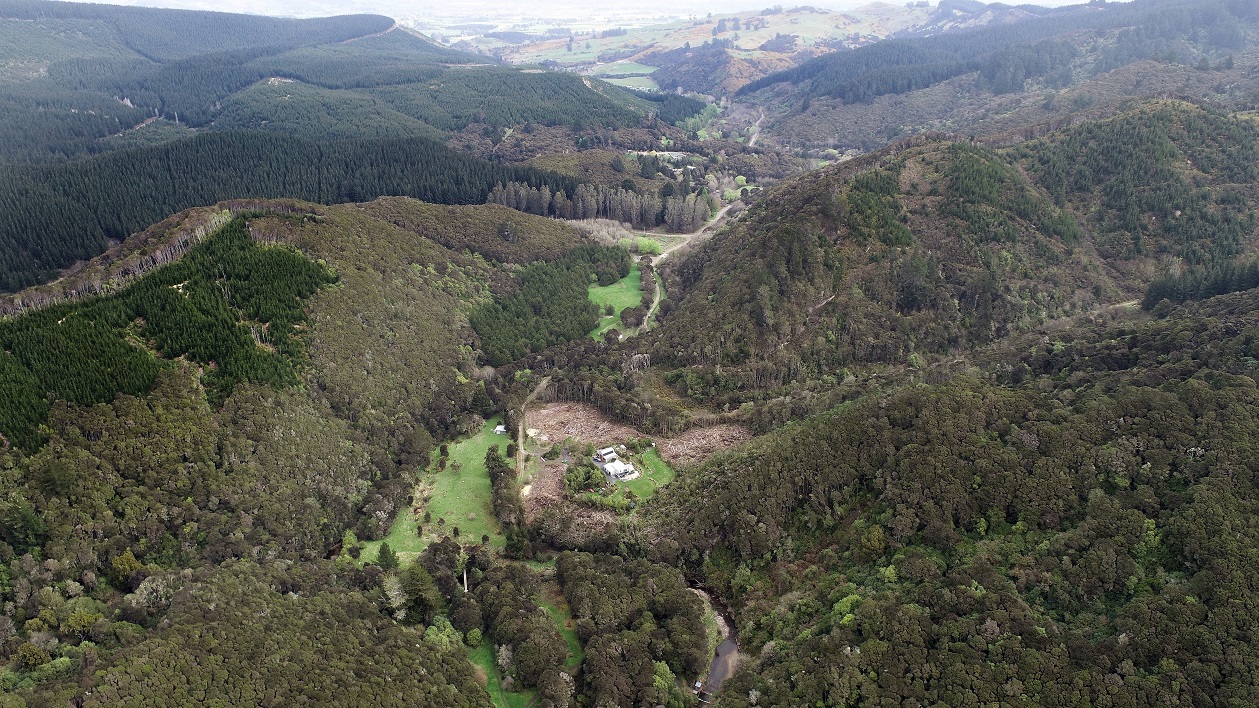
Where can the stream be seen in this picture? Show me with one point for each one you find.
(727, 656)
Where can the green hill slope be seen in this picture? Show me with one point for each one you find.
(237, 404)
(935, 248)
(1056, 541)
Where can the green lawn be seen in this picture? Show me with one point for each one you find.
(655, 473)
(483, 656)
(462, 498)
(626, 292)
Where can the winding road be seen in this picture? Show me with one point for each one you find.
(655, 261)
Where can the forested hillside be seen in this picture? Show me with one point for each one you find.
(98, 71)
(57, 214)
(178, 119)
(1077, 529)
(932, 248)
(205, 414)
(1000, 79)
(961, 421)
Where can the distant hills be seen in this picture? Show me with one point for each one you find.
(1084, 59)
(721, 53)
(122, 101)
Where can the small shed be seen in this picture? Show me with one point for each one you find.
(500, 430)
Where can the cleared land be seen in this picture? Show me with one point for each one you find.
(583, 423)
(622, 68)
(626, 292)
(460, 494)
(645, 83)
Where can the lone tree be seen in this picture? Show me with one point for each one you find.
(387, 559)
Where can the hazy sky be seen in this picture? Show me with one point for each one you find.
(489, 8)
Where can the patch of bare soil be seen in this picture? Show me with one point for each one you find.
(698, 444)
(560, 421)
(557, 422)
(546, 488)
(546, 491)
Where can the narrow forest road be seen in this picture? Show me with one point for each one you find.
(655, 261)
(757, 129)
(520, 427)
(392, 27)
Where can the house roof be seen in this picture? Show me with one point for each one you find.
(618, 467)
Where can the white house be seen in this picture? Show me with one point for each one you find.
(618, 470)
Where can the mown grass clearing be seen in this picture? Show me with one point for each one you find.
(557, 608)
(654, 473)
(626, 292)
(460, 495)
(483, 656)
(667, 241)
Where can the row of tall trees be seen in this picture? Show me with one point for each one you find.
(679, 213)
(51, 216)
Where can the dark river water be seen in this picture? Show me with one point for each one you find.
(723, 664)
(727, 657)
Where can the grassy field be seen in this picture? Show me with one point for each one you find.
(666, 241)
(622, 68)
(626, 292)
(811, 29)
(655, 474)
(483, 656)
(558, 610)
(645, 83)
(461, 498)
